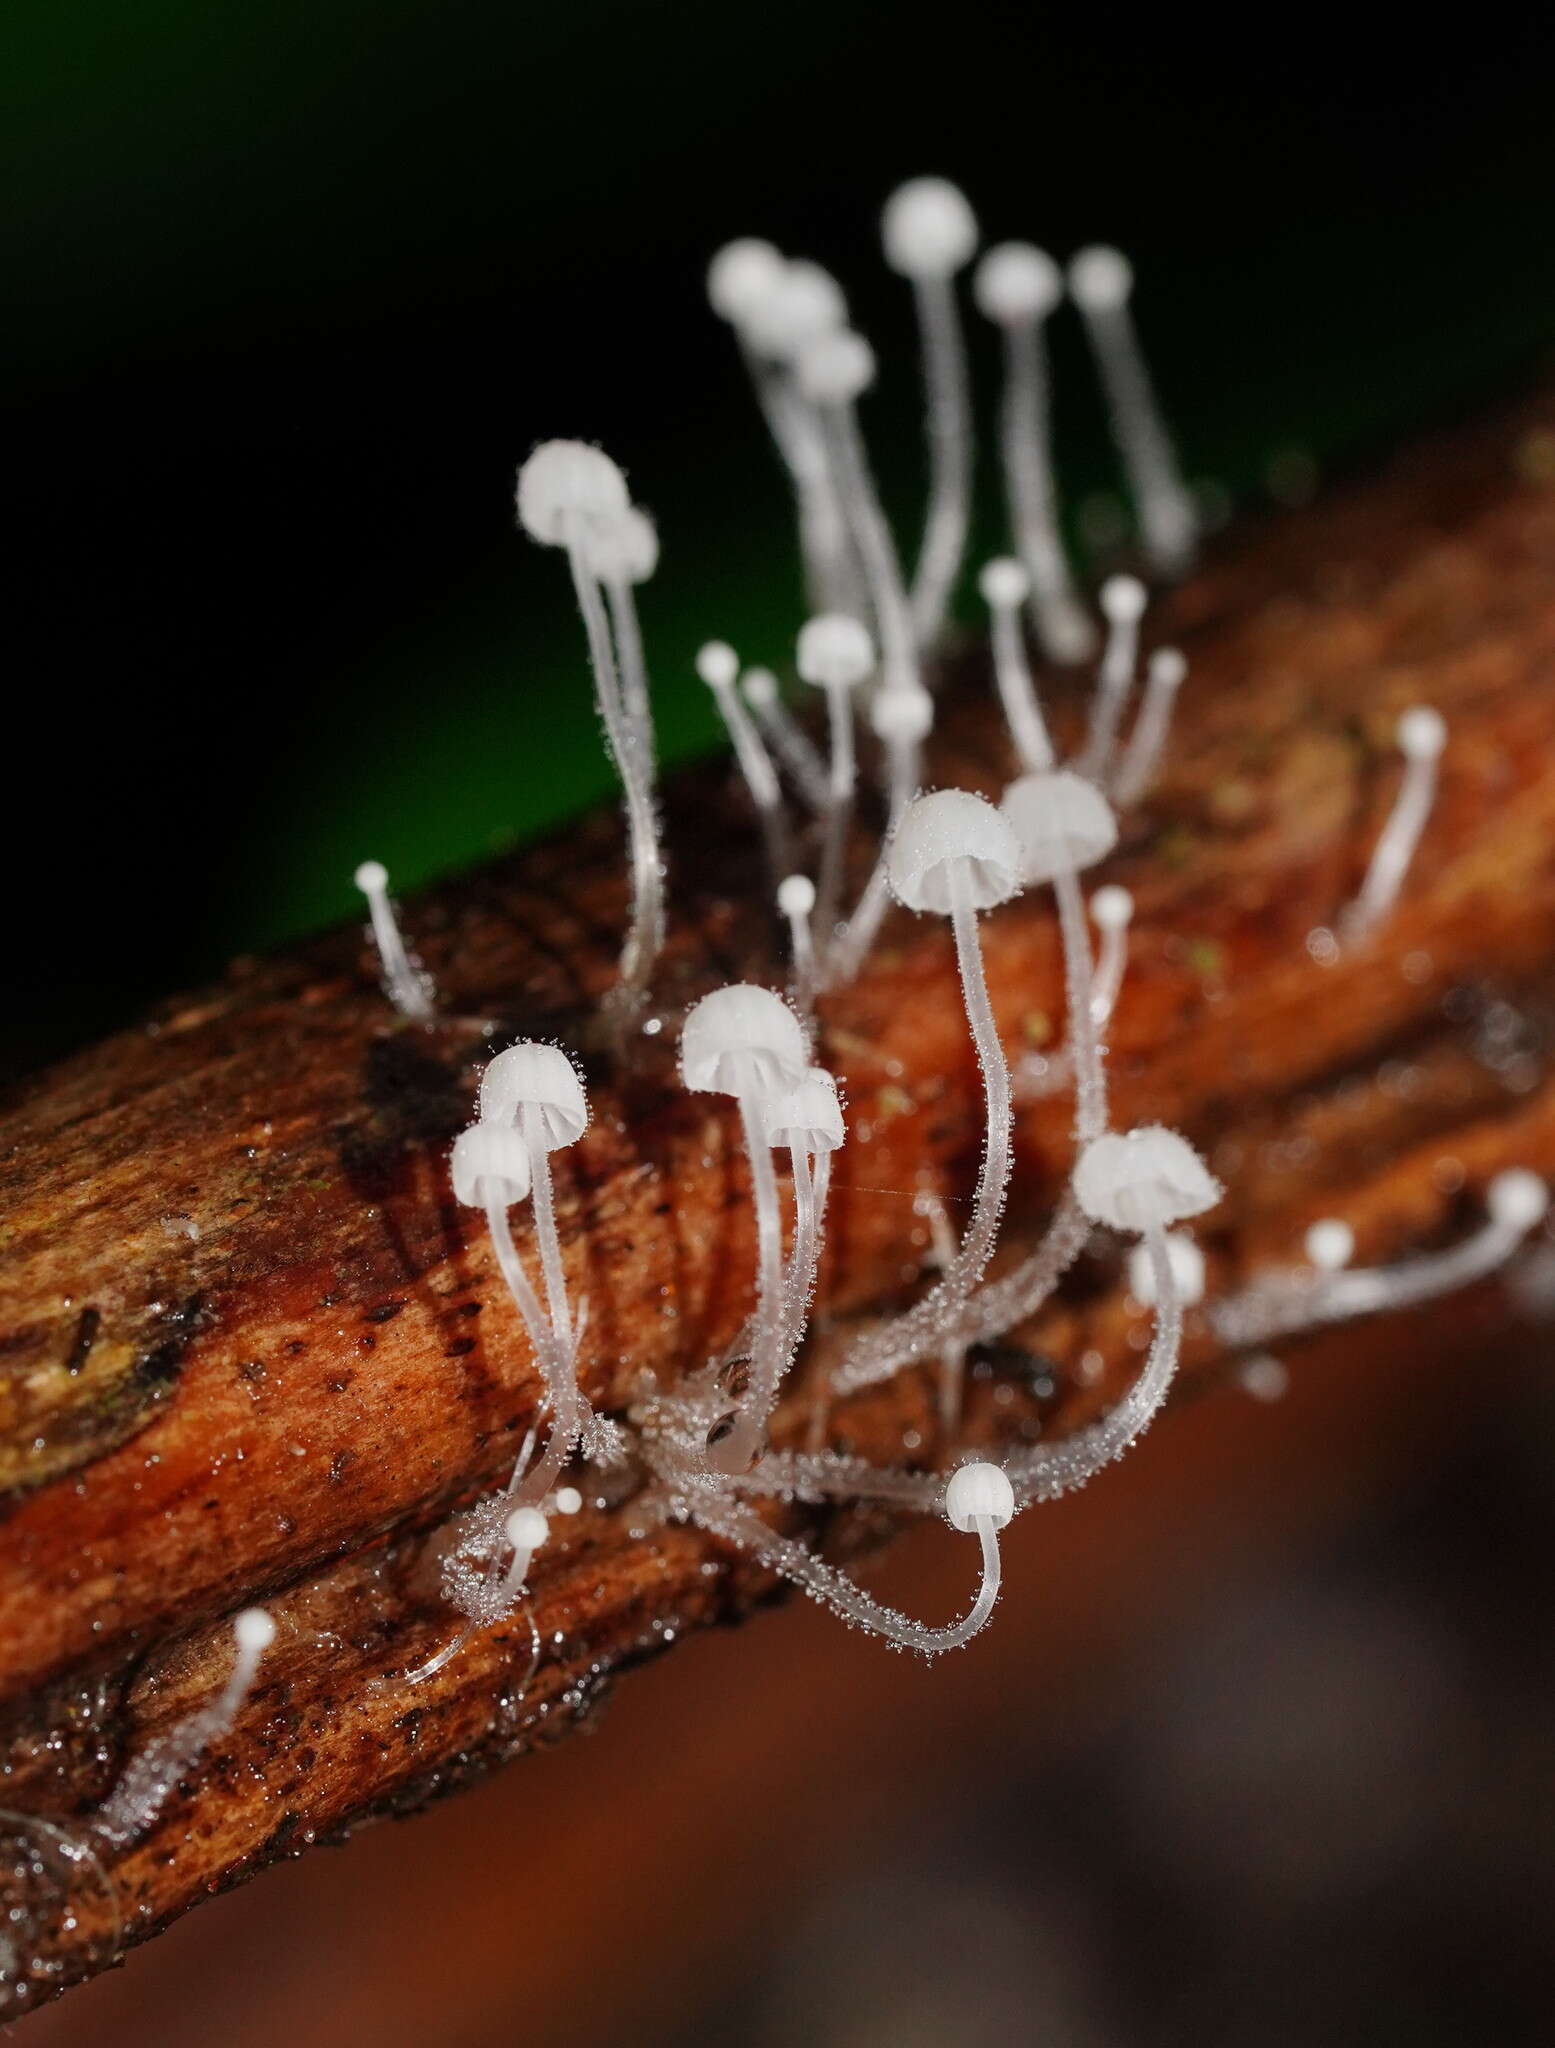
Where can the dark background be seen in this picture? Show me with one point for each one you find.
(1259, 1752)
(295, 288)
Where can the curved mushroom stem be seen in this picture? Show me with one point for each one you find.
(830, 576)
(1168, 522)
(755, 765)
(1147, 742)
(1395, 849)
(924, 1327)
(950, 455)
(876, 549)
(794, 748)
(1046, 1471)
(736, 1450)
(1063, 624)
(1285, 1304)
(742, 1526)
(1090, 1111)
(1114, 680)
(633, 762)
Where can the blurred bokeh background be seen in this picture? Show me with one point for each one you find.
(1263, 1755)
(294, 288)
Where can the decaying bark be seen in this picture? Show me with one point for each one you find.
(253, 1350)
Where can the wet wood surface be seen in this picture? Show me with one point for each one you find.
(253, 1350)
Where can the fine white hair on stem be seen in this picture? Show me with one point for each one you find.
(902, 720)
(1017, 287)
(1287, 1302)
(1422, 734)
(1112, 911)
(718, 665)
(833, 370)
(1063, 825)
(572, 496)
(1101, 283)
(745, 1042)
(152, 1776)
(985, 1504)
(1123, 600)
(1142, 1182)
(531, 1105)
(785, 736)
(930, 233)
(774, 307)
(796, 901)
(954, 854)
(408, 987)
(835, 655)
(622, 551)
(1005, 585)
(1141, 760)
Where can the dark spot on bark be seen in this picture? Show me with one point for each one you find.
(86, 1336)
(385, 1312)
(252, 1369)
(460, 1348)
(338, 1382)
(338, 1464)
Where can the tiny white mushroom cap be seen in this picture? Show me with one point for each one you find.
(717, 664)
(1329, 1244)
(835, 651)
(1422, 733)
(565, 484)
(741, 275)
(742, 1039)
(568, 1500)
(1004, 583)
(622, 547)
(1062, 821)
(1016, 282)
(1187, 1264)
(1112, 907)
(1144, 1178)
(946, 831)
(832, 369)
(806, 301)
(1123, 599)
(902, 712)
(977, 1493)
(1100, 278)
(254, 1630)
(490, 1156)
(1168, 666)
(1517, 1199)
(527, 1528)
(531, 1076)
(759, 686)
(796, 895)
(807, 1115)
(371, 876)
(928, 228)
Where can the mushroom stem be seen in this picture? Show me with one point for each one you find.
(408, 988)
(1063, 624)
(785, 736)
(830, 578)
(1048, 1470)
(739, 1447)
(645, 935)
(739, 1524)
(1017, 691)
(531, 1123)
(1090, 1112)
(1123, 602)
(950, 454)
(1147, 742)
(924, 1327)
(876, 548)
(1422, 735)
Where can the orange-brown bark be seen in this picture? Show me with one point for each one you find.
(252, 1349)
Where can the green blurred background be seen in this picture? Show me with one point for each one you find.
(296, 288)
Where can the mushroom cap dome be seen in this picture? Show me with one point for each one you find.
(947, 831)
(539, 1077)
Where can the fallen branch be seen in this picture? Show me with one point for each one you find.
(254, 1351)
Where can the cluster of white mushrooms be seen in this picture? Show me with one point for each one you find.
(702, 1448)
